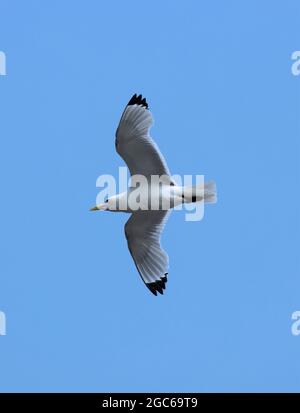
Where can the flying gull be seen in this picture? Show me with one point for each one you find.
(145, 225)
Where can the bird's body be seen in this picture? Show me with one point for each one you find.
(152, 194)
(150, 197)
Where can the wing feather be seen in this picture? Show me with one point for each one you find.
(143, 231)
(134, 144)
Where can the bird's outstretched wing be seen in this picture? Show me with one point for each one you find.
(134, 144)
(143, 231)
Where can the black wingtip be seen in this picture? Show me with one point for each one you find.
(138, 100)
(159, 285)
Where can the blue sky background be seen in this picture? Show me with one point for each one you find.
(218, 79)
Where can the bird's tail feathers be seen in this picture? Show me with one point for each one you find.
(210, 192)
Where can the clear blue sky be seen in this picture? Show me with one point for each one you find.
(217, 76)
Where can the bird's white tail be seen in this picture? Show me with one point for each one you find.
(197, 193)
(210, 192)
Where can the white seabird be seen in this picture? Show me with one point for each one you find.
(144, 227)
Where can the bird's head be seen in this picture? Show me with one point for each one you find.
(101, 207)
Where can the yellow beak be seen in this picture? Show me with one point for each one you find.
(95, 208)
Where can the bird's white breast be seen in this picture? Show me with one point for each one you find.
(147, 197)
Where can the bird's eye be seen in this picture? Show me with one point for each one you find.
(106, 200)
